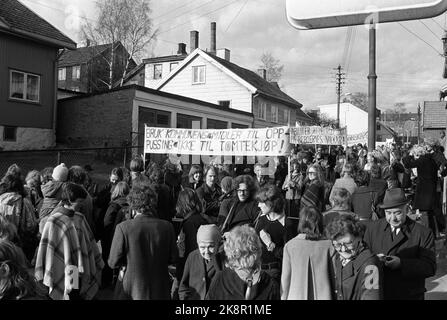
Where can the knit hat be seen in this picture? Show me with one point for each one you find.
(60, 173)
(208, 233)
(226, 183)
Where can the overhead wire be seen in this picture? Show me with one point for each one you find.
(420, 38)
(237, 15)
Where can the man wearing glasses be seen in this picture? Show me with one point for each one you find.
(406, 248)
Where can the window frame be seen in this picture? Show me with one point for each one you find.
(274, 111)
(262, 110)
(198, 67)
(25, 86)
(155, 69)
(229, 103)
(64, 69)
(77, 74)
(175, 66)
(15, 133)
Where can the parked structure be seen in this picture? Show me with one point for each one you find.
(28, 77)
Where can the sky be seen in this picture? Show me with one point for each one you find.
(409, 61)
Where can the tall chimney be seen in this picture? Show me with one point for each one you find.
(194, 40)
(181, 49)
(213, 38)
(263, 73)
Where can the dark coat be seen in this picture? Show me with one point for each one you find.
(111, 219)
(146, 246)
(238, 213)
(363, 199)
(195, 283)
(211, 199)
(425, 195)
(227, 285)
(360, 279)
(415, 246)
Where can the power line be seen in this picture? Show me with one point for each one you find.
(183, 13)
(429, 29)
(203, 15)
(175, 9)
(237, 15)
(438, 24)
(420, 39)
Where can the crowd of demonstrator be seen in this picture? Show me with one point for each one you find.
(340, 224)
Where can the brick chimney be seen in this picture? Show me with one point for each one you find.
(223, 53)
(194, 40)
(181, 49)
(263, 73)
(213, 38)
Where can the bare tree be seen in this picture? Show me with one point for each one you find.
(121, 21)
(272, 65)
(358, 99)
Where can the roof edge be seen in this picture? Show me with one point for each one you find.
(54, 42)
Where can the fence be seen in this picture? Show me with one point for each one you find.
(102, 160)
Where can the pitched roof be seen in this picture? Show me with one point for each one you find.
(387, 128)
(21, 20)
(263, 86)
(434, 115)
(178, 57)
(81, 55)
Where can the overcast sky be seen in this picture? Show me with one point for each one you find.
(409, 70)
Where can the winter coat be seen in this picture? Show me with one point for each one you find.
(195, 282)
(363, 199)
(307, 270)
(19, 211)
(52, 195)
(361, 278)
(237, 213)
(293, 186)
(146, 246)
(210, 199)
(313, 196)
(111, 219)
(427, 169)
(415, 246)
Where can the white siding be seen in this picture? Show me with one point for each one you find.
(149, 81)
(354, 118)
(218, 86)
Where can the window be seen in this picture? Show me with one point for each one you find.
(274, 116)
(224, 103)
(261, 111)
(76, 73)
(158, 69)
(216, 124)
(24, 86)
(198, 74)
(378, 127)
(62, 74)
(172, 66)
(10, 134)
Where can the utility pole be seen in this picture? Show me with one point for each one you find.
(339, 77)
(372, 79)
(419, 123)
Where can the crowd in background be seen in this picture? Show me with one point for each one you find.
(330, 223)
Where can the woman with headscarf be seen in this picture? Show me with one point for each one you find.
(307, 272)
(243, 278)
(202, 264)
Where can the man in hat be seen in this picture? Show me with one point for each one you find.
(406, 248)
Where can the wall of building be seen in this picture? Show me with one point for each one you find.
(95, 121)
(218, 86)
(80, 84)
(354, 118)
(27, 56)
(149, 80)
(267, 122)
(29, 139)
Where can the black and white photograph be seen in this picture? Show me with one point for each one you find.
(236, 153)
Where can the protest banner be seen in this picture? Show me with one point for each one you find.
(357, 138)
(317, 135)
(235, 142)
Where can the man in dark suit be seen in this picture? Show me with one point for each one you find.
(406, 248)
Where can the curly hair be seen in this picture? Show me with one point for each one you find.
(248, 180)
(272, 196)
(243, 249)
(340, 197)
(143, 200)
(13, 183)
(361, 178)
(72, 191)
(188, 202)
(343, 225)
(155, 173)
(14, 170)
(19, 283)
(311, 223)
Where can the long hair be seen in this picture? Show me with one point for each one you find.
(320, 176)
(188, 202)
(311, 223)
(194, 169)
(121, 190)
(19, 283)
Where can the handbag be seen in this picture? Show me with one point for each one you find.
(374, 215)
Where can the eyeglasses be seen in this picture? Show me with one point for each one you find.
(242, 191)
(347, 246)
(312, 172)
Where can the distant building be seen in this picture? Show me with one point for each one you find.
(434, 118)
(28, 77)
(87, 69)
